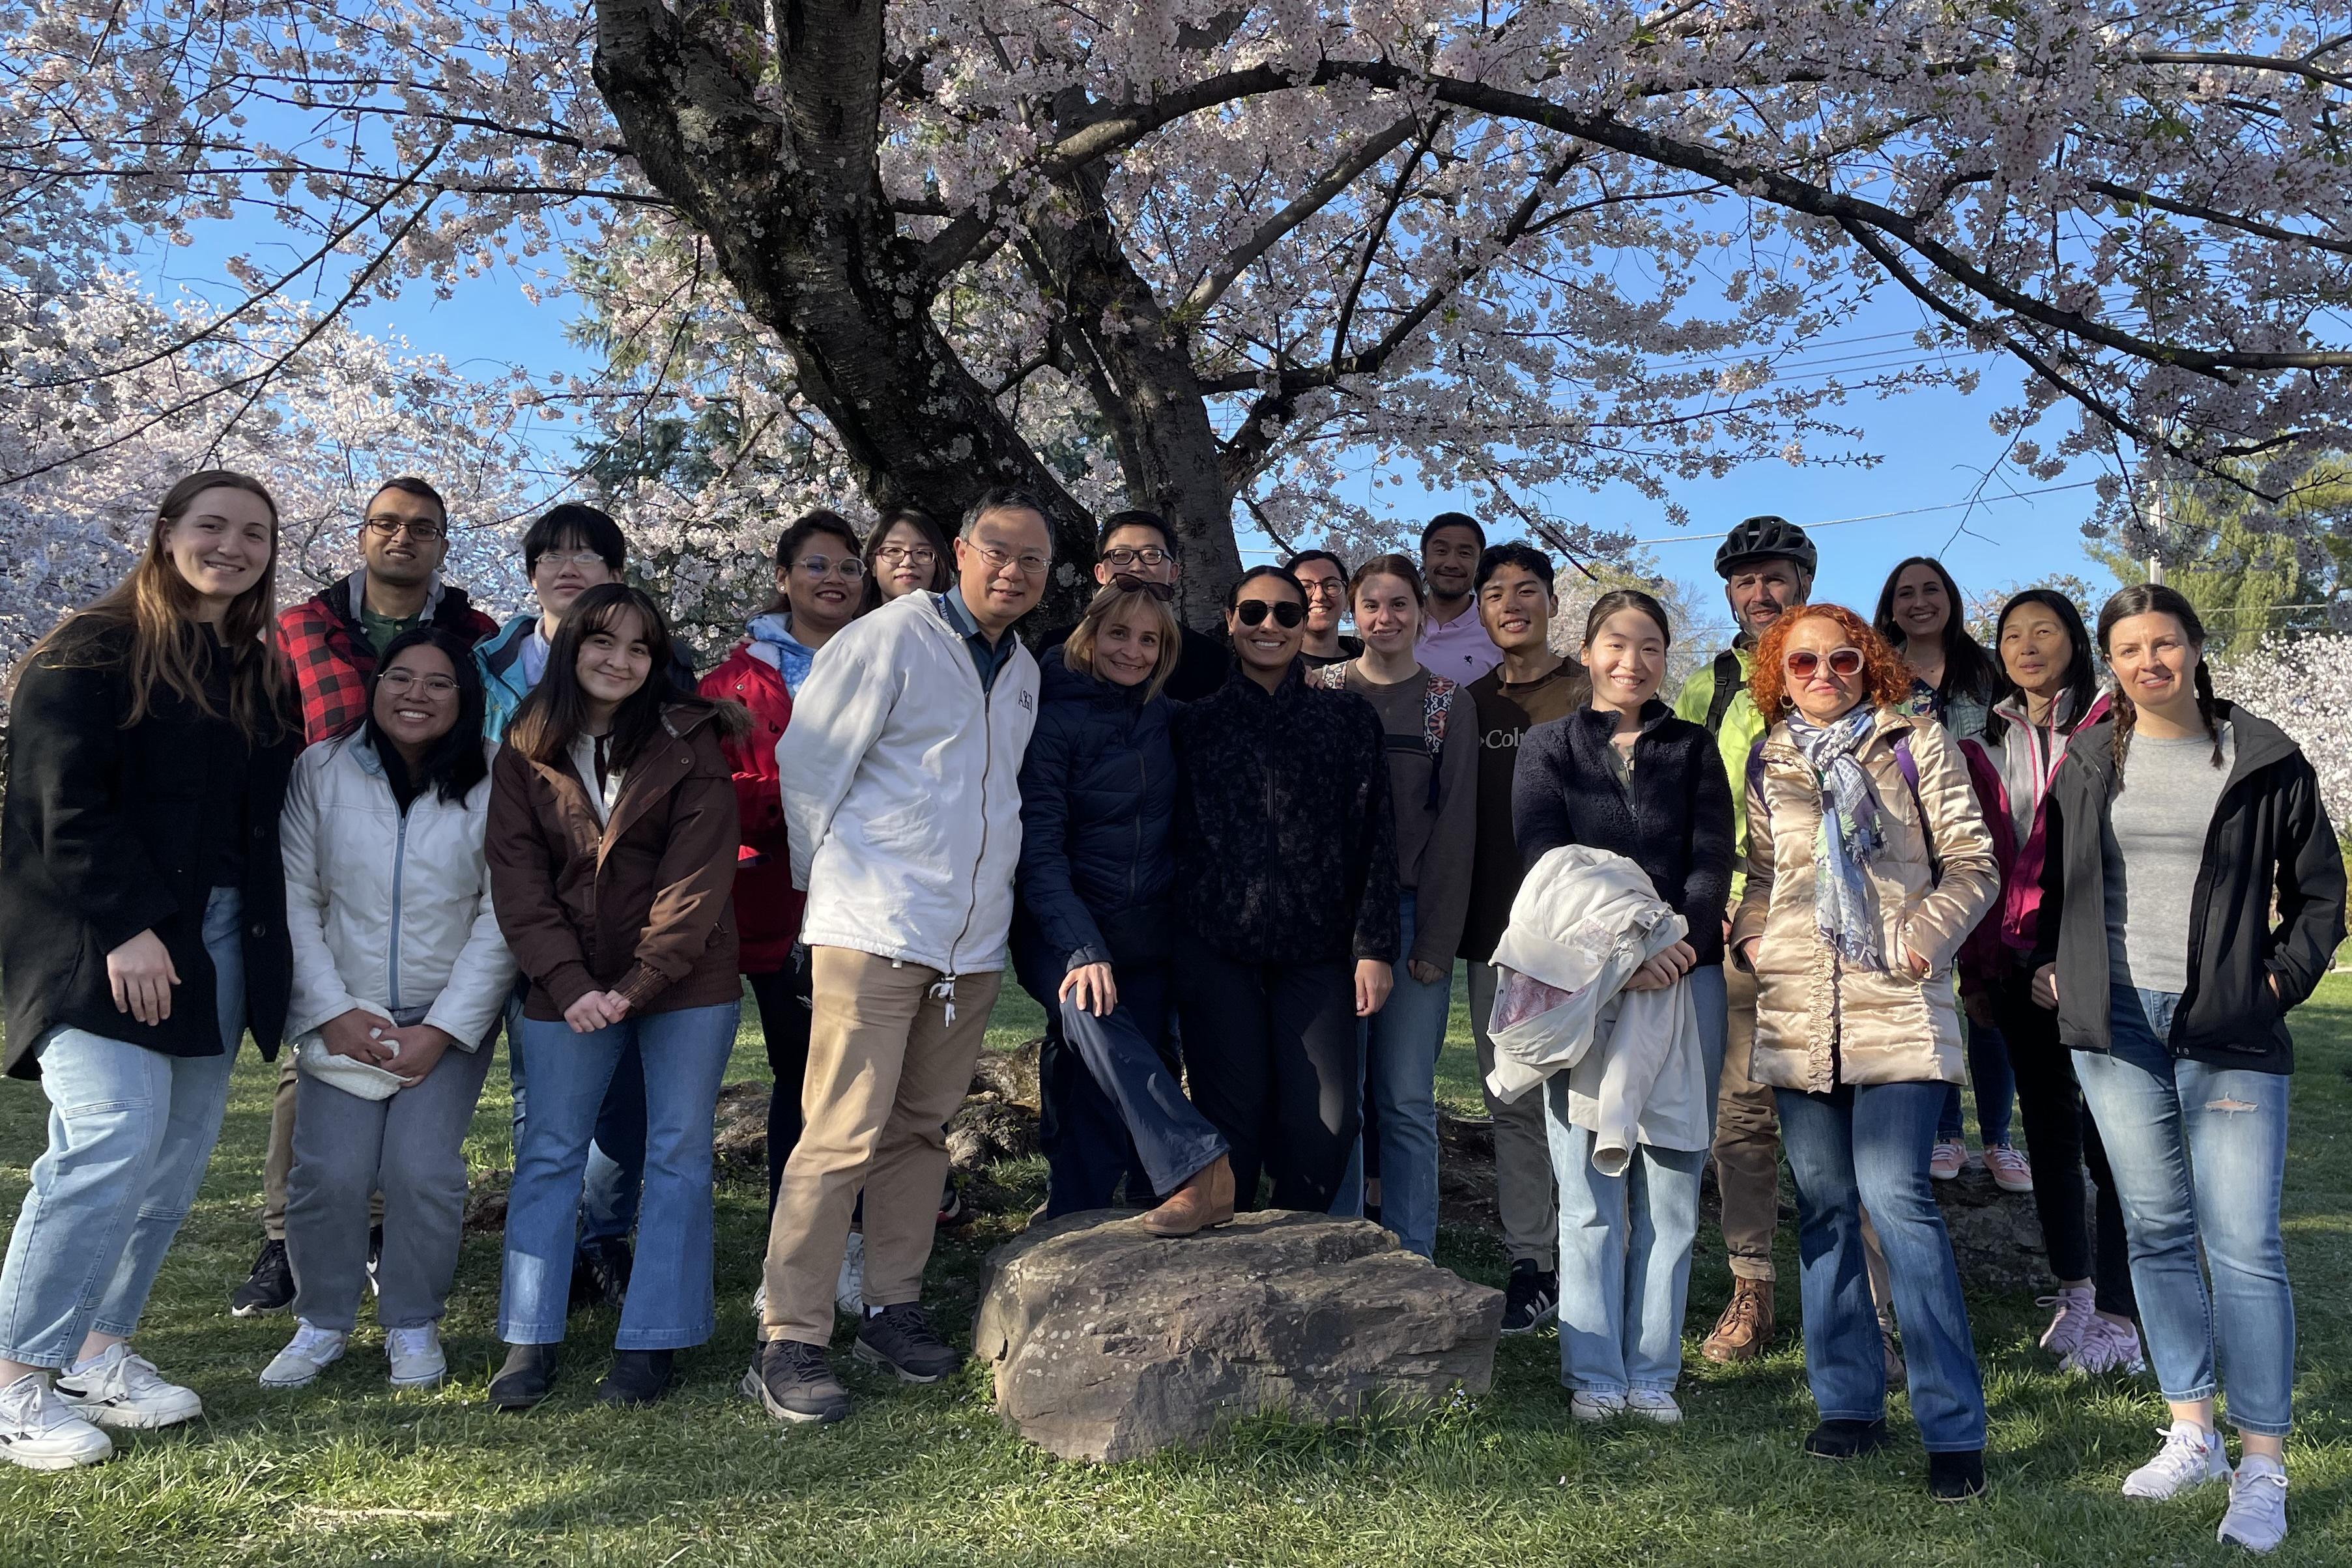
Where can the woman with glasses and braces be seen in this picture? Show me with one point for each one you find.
(1868, 861)
(1287, 901)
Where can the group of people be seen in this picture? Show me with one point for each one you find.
(1852, 865)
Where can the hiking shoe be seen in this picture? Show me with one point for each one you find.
(527, 1378)
(902, 1339)
(1745, 1330)
(309, 1353)
(1956, 1476)
(954, 1210)
(2106, 1345)
(606, 1264)
(1595, 1404)
(1530, 1300)
(1845, 1440)
(794, 1382)
(637, 1377)
(122, 1388)
(269, 1288)
(849, 1285)
(2257, 1516)
(2076, 1311)
(1946, 1161)
(2011, 1172)
(2192, 1458)
(417, 1358)
(41, 1432)
(1654, 1404)
(1890, 1354)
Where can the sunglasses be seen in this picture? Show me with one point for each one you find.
(1287, 612)
(1804, 663)
(1127, 582)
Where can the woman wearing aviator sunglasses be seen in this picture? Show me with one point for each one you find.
(1287, 901)
(1868, 861)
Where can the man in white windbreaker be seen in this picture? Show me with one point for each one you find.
(900, 774)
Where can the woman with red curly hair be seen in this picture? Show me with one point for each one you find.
(1868, 861)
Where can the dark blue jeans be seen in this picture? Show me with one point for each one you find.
(1995, 1083)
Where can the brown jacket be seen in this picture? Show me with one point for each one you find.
(1820, 1023)
(643, 904)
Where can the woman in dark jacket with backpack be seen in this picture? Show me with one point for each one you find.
(2175, 827)
(1090, 931)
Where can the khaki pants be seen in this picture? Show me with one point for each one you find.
(1522, 1185)
(1747, 1140)
(885, 1070)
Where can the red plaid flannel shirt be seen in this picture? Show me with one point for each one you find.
(333, 658)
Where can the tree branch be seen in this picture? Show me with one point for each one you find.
(1304, 205)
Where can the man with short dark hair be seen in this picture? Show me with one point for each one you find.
(569, 551)
(1324, 576)
(1139, 544)
(1531, 686)
(1453, 641)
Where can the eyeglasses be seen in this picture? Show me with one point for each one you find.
(1127, 582)
(1287, 612)
(1324, 587)
(1804, 663)
(582, 558)
(1123, 558)
(848, 566)
(905, 555)
(1031, 563)
(406, 680)
(422, 533)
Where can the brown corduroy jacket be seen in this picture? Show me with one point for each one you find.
(641, 904)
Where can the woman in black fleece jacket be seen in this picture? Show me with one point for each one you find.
(1287, 892)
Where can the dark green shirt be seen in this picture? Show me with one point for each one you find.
(382, 629)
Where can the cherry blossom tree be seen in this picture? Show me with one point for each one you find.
(2304, 685)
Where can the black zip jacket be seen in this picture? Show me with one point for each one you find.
(2270, 838)
(1285, 851)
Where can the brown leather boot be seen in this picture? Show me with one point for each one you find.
(1745, 1330)
(1205, 1199)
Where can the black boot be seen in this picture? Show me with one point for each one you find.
(527, 1378)
(1846, 1439)
(638, 1377)
(1957, 1477)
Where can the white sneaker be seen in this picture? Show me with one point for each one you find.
(1654, 1404)
(2192, 1458)
(2077, 1309)
(309, 1353)
(124, 1389)
(2106, 1346)
(40, 1432)
(2257, 1516)
(417, 1358)
(849, 1290)
(1592, 1405)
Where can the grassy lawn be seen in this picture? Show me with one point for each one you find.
(350, 1473)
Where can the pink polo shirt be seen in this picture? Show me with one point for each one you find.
(1459, 649)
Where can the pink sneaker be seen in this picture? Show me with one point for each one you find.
(2010, 1171)
(2074, 1317)
(1947, 1161)
(2106, 1346)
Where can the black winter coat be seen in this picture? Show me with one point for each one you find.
(1676, 825)
(1098, 801)
(1286, 848)
(106, 833)
(2270, 838)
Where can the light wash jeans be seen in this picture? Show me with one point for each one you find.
(2199, 1153)
(1625, 1240)
(1399, 1060)
(130, 1131)
(685, 1056)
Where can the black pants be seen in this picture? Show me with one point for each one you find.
(783, 996)
(2063, 1141)
(1270, 1055)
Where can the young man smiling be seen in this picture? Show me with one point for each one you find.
(1453, 641)
(1324, 576)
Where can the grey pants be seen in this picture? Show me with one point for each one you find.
(412, 1147)
(1523, 1189)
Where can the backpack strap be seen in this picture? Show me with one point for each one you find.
(1435, 704)
(1727, 687)
(1329, 677)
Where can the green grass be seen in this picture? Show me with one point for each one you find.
(350, 1473)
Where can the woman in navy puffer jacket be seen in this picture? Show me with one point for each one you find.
(1090, 933)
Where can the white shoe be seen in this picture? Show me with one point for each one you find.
(849, 1290)
(2257, 1516)
(1654, 1404)
(124, 1389)
(2192, 1458)
(40, 1432)
(1593, 1405)
(417, 1358)
(309, 1353)
(2106, 1346)
(2077, 1308)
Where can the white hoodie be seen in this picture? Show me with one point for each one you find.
(902, 791)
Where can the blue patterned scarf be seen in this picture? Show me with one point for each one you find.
(1850, 836)
(773, 633)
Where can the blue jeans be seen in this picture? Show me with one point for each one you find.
(683, 1056)
(1995, 1086)
(1625, 1240)
(616, 1156)
(1866, 1147)
(2199, 1153)
(130, 1131)
(1398, 1056)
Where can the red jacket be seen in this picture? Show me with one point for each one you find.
(766, 905)
(333, 657)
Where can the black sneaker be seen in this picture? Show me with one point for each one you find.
(1531, 1299)
(269, 1288)
(1956, 1476)
(600, 1273)
(1846, 1439)
(954, 1210)
(527, 1378)
(901, 1338)
(375, 1256)
(794, 1382)
(637, 1377)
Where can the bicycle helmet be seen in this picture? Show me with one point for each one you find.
(1764, 537)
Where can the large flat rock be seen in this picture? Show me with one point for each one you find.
(1108, 1343)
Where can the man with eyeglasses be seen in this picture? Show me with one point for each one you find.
(900, 778)
(1141, 545)
(1324, 576)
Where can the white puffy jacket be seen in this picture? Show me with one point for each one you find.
(902, 791)
(388, 913)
